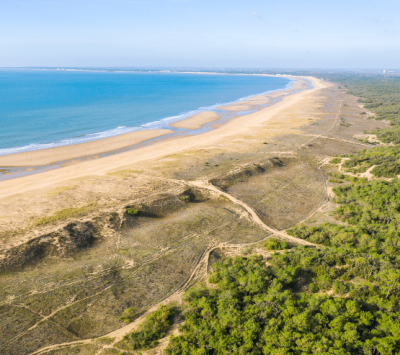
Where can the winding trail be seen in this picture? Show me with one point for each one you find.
(198, 273)
(200, 270)
(256, 219)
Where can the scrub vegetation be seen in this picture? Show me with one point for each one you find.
(385, 160)
(152, 329)
(64, 214)
(381, 95)
(338, 299)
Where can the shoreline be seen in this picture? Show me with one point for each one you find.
(20, 165)
(244, 128)
(59, 154)
(62, 155)
(168, 122)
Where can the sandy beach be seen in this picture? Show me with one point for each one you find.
(243, 128)
(196, 121)
(58, 154)
(249, 103)
(52, 155)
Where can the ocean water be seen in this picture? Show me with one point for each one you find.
(49, 108)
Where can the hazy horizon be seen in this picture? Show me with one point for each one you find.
(216, 69)
(200, 34)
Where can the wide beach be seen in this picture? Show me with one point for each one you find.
(33, 161)
(236, 127)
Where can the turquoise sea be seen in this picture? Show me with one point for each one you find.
(49, 108)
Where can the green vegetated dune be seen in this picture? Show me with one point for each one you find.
(339, 298)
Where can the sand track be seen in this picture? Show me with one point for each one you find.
(199, 272)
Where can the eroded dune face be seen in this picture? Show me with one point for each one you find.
(74, 257)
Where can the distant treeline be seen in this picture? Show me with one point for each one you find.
(380, 95)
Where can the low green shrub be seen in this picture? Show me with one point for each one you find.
(132, 211)
(185, 198)
(335, 160)
(152, 329)
(275, 244)
(336, 181)
(127, 315)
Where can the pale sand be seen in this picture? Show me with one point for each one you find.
(236, 107)
(247, 104)
(52, 155)
(276, 120)
(196, 121)
(258, 98)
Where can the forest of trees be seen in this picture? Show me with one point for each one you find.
(341, 298)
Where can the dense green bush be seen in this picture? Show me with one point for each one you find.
(276, 244)
(254, 310)
(336, 181)
(373, 211)
(152, 329)
(133, 211)
(127, 315)
(185, 198)
(335, 160)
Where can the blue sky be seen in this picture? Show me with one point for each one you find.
(201, 33)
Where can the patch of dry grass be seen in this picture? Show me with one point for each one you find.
(60, 189)
(125, 173)
(64, 214)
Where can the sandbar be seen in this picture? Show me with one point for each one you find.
(52, 155)
(247, 104)
(236, 107)
(196, 121)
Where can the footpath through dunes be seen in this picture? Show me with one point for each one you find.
(131, 233)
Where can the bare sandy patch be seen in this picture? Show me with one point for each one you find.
(248, 104)
(196, 121)
(52, 155)
(237, 107)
